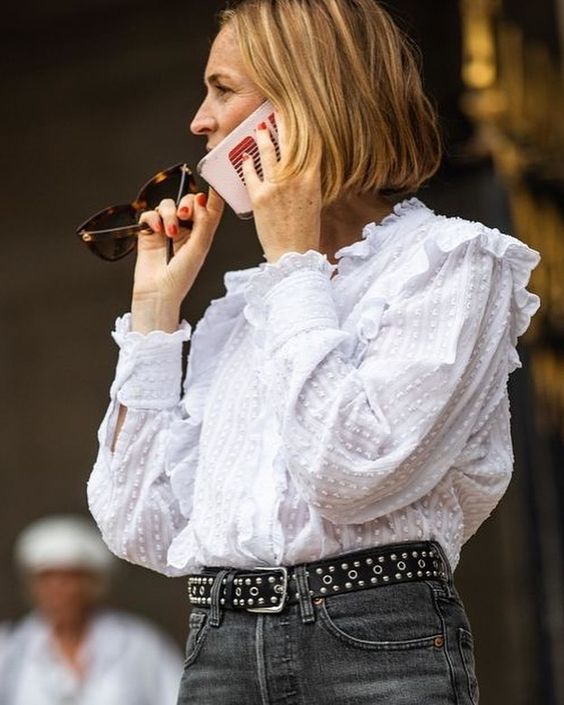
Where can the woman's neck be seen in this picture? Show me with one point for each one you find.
(343, 220)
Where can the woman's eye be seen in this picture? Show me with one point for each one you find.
(222, 90)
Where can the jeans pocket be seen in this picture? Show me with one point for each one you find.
(197, 630)
(390, 618)
(466, 648)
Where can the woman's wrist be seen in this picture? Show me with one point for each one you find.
(148, 314)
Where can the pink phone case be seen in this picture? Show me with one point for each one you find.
(222, 167)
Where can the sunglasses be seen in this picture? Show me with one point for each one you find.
(112, 233)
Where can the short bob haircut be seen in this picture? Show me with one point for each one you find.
(348, 84)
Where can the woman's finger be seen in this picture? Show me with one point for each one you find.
(267, 150)
(252, 180)
(185, 210)
(167, 210)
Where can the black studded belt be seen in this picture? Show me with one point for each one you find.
(271, 589)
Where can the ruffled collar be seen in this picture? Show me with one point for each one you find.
(408, 212)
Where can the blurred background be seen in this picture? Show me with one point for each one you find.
(96, 97)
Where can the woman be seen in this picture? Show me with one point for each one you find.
(344, 423)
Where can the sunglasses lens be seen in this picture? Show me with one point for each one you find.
(112, 233)
(173, 183)
(112, 250)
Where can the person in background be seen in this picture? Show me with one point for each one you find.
(71, 650)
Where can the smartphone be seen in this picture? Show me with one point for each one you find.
(222, 167)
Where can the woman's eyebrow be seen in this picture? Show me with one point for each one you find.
(215, 77)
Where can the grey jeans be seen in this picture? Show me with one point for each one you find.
(404, 644)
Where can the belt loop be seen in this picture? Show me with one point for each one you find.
(215, 597)
(304, 597)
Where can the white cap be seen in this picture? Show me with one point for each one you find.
(62, 542)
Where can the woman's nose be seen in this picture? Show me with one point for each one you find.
(203, 123)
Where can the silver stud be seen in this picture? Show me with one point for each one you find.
(404, 555)
(250, 602)
(247, 581)
(356, 564)
(271, 579)
(393, 557)
(254, 591)
(348, 586)
(401, 565)
(327, 579)
(259, 581)
(274, 600)
(377, 569)
(208, 601)
(319, 571)
(424, 554)
(344, 566)
(373, 581)
(428, 573)
(386, 578)
(421, 563)
(419, 573)
(261, 600)
(381, 559)
(398, 576)
(279, 589)
(369, 561)
(409, 575)
(353, 574)
(331, 568)
(336, 588)
(361, 583)
(415, 554)
(323, 591)
(235, 602)
(238, 591)
(431, 554)
(210, 581)
(222, 601)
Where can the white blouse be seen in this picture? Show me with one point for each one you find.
(326, 408)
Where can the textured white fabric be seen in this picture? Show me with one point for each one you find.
(326, 409)
(127, 662)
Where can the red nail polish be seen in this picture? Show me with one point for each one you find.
(202, 199)
(172, 230)
(262, 126)
(158, 227)
(184, 211)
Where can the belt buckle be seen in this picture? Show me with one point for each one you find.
(281, 589)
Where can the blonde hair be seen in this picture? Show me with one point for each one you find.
(347, 83)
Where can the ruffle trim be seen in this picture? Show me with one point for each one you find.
(269, 275)
(521, 259)
(129, 340)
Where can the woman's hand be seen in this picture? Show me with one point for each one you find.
(160, 287)
(287, 213)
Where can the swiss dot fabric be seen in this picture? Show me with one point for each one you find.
(325, 408)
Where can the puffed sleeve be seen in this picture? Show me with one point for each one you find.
(366, 434)
(130, 492)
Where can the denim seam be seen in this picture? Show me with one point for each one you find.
(261, 666)
(465, 634)
(448, 657)
(199, 639)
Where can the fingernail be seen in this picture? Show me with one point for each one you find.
(157, 227)
(245, 156)
(184, 211)
(202, 199)
(172, 230)
(262, 126)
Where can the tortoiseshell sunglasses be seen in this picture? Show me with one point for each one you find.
(112, 233)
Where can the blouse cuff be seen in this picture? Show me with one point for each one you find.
(292, 296)
(149, 370)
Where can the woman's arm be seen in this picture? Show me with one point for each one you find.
(365, 437)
